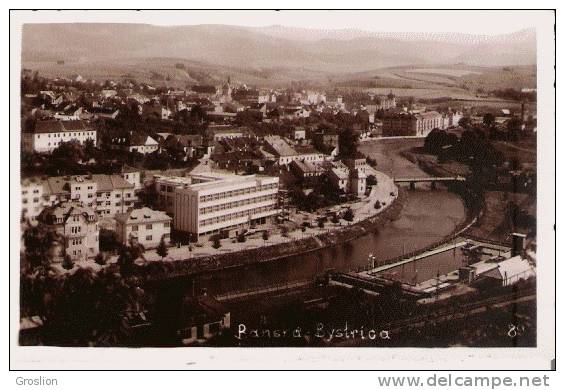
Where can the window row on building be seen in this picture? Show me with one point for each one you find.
(239, 192)
(238, 203)
(239, 214)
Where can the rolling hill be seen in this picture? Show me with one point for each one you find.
(255, 55)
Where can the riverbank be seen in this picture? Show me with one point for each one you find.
(160, 270)
(194, 259)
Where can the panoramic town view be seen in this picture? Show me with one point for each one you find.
(231, 186)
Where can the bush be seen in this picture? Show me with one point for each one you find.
(100, 259)
(67, 262)
(265, 235)
(241, 237)
(372, 162)
(321, 223)
(378, 205)
(217, 244)
(162, 249)
(349, 215)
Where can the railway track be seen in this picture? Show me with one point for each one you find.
(462, 310)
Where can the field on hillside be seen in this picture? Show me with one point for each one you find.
(164, 72)
(456, 82)
(443, 71)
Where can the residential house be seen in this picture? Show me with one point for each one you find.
(146, 226)
(136, 142)
(78, 224)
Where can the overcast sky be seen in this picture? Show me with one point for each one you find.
(477, 22)
(473, 22)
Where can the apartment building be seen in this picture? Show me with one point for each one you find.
(114, 195)
(32, 199)
(132, 176)
(106, 194)
(412, 124)
(78, 224)
(208, 204)
(418, 123)
(47, 135)
(144, 225)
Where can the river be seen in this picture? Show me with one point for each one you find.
(426, 217)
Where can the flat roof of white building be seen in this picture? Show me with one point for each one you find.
(214, 180)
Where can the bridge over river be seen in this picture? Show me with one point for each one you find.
(429, 179)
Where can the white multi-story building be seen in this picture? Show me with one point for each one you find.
(78, 224)
(208, 204)
(47, 135)
(32, 198)
(133, 176)
(106, 194)
(113, 195)
(144, 225)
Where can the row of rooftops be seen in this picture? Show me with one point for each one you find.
(61, 184)
(61, 212)
(57, 126)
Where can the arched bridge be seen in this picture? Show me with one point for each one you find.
(431, 179)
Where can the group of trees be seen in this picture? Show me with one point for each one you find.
(80, 308)
(473, 147)
(514, 94)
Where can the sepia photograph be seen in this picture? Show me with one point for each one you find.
(247, 180)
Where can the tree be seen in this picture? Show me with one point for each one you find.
(241, 237)
(40, 242)
(127, 256)
(89, 148)
(108, 240)
(321, 223)
(66, 152)
(99, 259)
(464, 121)
(347, 143)
(265, 235)
(162, 249)
(435, 141)
(488, 119)
(377, 205)
(372, 162)
(197, 114)
(216, 244)
(348, 215)
(91, 309)
(514, 127)
(371, 181)
(68, 262)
